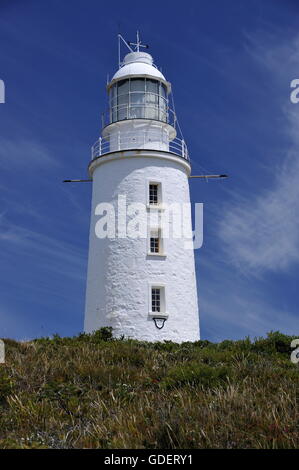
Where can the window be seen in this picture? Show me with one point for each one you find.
(154, 196)
(162, 102)
(123, 87)
(138, 98)
(152, 86)
(113, 103)
(163, 90)
(137, 93)
(156, 299)
(152, 99)
(137, 84)
(122, 99)
(153, 193)
(155, 241)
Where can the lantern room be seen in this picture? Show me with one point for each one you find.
(139, 114)
(138, 90)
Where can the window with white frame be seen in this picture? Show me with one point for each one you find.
(155, 241)
(157, 299)
(154, 194)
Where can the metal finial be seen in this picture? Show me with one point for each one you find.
(138, 43)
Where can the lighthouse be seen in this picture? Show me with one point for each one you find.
(141, 277)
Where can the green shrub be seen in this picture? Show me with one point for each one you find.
(6, 385)
(202, 344)
(103, 334)
(275, 342)
(165, 346)
(194, 374)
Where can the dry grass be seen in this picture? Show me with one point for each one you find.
(94, 392)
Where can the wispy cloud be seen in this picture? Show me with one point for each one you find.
(56, 255)
(244, 315)
(233, 307)
(25, 153)
(261, 232)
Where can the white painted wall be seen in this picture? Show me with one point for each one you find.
(120, 270)
(138, 133)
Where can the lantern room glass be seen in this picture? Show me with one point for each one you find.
(138, 98)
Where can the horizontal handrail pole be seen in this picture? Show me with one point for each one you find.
(77, 181)
(208, 176)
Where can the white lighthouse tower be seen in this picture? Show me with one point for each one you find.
(143, 286)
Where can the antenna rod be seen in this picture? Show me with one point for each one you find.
(77, 181)
(192, 176)
(137, 38)
(208, 176)
(118, 51)
(125, 42)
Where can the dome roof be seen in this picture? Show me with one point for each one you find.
(138, 63)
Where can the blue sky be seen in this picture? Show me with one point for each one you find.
(230, 64)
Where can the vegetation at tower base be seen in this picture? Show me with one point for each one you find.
(92, 391)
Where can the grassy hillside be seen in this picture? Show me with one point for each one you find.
(94, 392)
